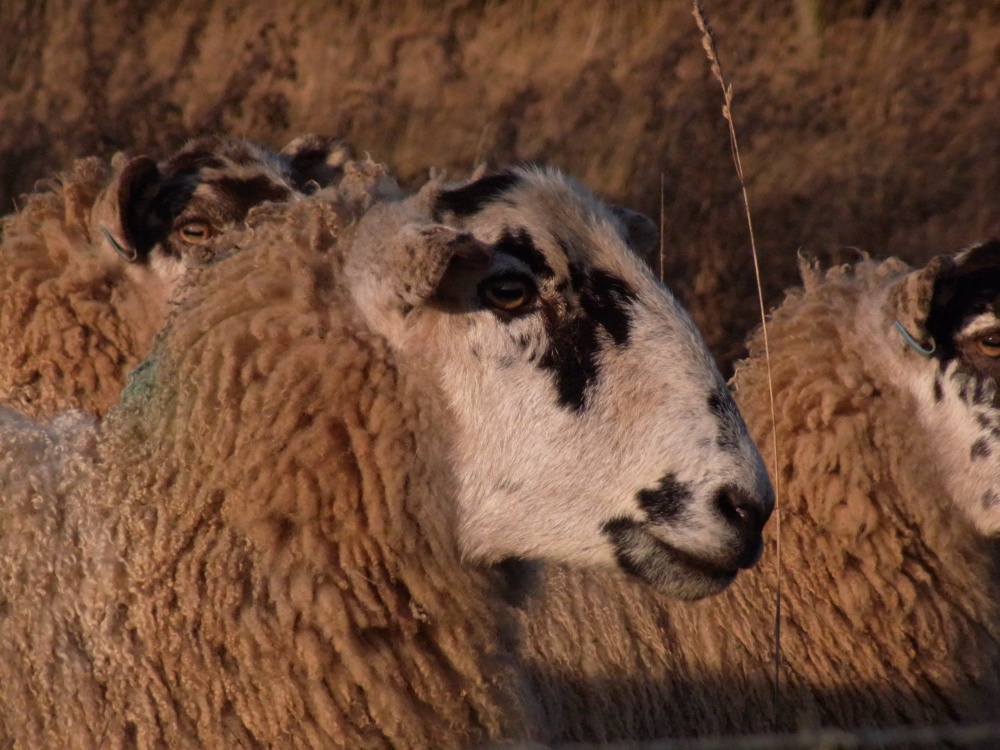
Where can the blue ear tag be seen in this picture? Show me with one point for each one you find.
(130, 256)
(913, 343)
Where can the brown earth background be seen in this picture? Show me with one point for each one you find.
(862, 123)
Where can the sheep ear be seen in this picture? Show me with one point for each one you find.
(402, 267)
(912, 299)
(428, 253)
(641, 234)
(316, 161)
(121, 211)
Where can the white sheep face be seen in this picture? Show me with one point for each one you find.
(593, 425)
(957, 387)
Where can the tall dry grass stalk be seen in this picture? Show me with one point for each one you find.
(708, 42)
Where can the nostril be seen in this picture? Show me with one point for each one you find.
(739, 508)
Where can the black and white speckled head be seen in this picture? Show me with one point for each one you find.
(594, 427)
(951, 309)
(158, 218)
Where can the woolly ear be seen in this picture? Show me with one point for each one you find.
(911, 300)
(641, 234)
(426, 254)
(397, 267)
(120, 212)
(316, 161)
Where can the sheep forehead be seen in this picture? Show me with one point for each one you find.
(226, 196)
(562, 233)
(227, 154)
(233, 179)
(217, 180)
(568, 223)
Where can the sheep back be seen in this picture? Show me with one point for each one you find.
(889, 604)
(43, 648)
(889, 596)
(291, 572)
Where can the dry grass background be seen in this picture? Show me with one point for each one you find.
(862, 123)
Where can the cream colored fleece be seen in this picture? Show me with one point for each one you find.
(889, 597)
(256, 548)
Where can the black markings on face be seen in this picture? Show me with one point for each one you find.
(471, 198)
(242, 194)
(963, 386)
(980, 449)
(571, 356)
(975, 388)
(730, 423)
(667, 501)
(990, 423)
(509, 486)
(193, 160)
(607, 300)
(519, 244)
(621, 533)
(990, 499)
(605, 303)
(938, 392)
(212, 152)
(641, 555)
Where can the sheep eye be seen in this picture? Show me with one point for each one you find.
(195, 232)
(989, 345)
(507, 293)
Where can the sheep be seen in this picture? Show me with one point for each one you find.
(887, 456)
(87, 268)
(309, 518)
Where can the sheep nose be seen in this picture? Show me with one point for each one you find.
(747, 515)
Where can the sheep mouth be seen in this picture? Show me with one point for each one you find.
(673, 571)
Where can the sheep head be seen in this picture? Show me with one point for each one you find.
(160, 217)
(948, 350)
(592, 424)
